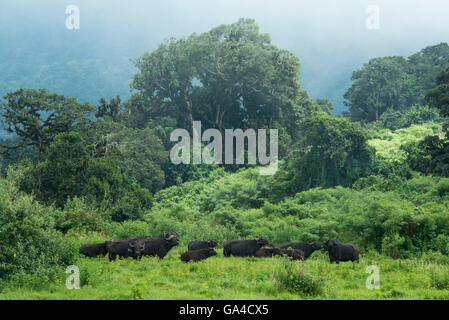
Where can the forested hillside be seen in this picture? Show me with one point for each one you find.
(76, 172)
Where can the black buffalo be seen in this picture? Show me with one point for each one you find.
(268, 252)
(197, 255)
(125, 248)
(307, 248)
(94, 250)
(243, 248)
(156, 246)
(197, 245)
(295, 254)
(342, 252)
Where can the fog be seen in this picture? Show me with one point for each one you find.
(329, 37)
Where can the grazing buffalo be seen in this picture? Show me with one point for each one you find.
(156, 246)
(295, 254)
(342, 252)
(268, 252)
(197, 245)
(243, 248)
(94, 250)
(125, 248)
(197, 255)
(307, 248)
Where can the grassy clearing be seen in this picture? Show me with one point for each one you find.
(243, 278)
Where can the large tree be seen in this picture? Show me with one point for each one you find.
(164, 84)
(381, 84)
(37, 116)
(246, 82)
(426, 65)
(394, 83)
(229, 77)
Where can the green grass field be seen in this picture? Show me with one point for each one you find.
(243, 278)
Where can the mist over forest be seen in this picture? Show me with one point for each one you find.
(329, 37)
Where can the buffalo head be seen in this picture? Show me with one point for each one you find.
(262, 241)
(212, 243)
(171, 238)
(212, 252)
(136, 248)
(316, 246)
(330, 243)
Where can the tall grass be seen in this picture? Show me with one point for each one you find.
(246, 278)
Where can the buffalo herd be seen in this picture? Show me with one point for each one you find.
(136, 247)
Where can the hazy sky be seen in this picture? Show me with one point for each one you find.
(329, 36)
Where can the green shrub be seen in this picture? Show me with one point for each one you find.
(69, 171)
(291, 277)
(435, 257)
(204, 230)
(129, 228)
(29, 242)
(442, 244)
(397, 119)
(440, 279)
(79, 216)
(392, 245)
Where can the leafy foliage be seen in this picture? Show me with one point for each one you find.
(439, 97)
(416, 115)
(29, 242)
(38, 116)
(109, 110)
(394, 83)
(229, 77)
(330, 152)
(69, 171)
(382, 83)
(292, 278)
(139, 152)
(429, 155)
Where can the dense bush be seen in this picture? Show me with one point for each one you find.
(395, 119)
(429, 156)
(78, 216)
(330, 152)
(139, 152)
(291, 277)
(398, 217)
(70, 171)
(29, 243)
